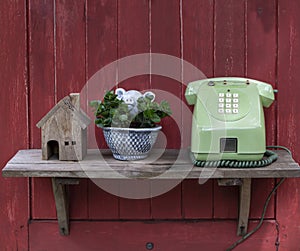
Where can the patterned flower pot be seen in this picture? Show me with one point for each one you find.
(130, 143)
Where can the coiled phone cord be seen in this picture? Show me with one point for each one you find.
(271, 157)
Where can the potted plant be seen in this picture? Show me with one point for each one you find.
(129, 120)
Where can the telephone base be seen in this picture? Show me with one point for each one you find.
(228, 156)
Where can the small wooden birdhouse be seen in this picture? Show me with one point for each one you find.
(64, 130)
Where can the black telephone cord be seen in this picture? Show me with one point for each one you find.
(270, 157)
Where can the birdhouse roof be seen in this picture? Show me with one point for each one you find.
(67, 105)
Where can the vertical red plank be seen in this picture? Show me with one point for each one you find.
(165, 31)
(197, 200)
(288, 205)
(198, 35)
(261, 65)
(229, 38)
(229, 60)
(102, 204)
(101, 50)
(13, 127)
(70, 46)
(261, 188)
(70, 74)
(42, 92)
(225, 201)
(288, 75)
(197, 45)
(41, 63)
(134, 38)
(261, 51)
(168, 205)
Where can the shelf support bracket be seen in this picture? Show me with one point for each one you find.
(244, 200)
(61, 197)
(244, 206)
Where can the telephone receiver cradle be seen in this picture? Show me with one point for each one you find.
(228, 120)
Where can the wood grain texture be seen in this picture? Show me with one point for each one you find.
(198, 49)
(198, 36)
(288, 75)
(102, 205)
(165, 38)
(229, 42)
(257, 39)
(288, 214)
(70, 66)
(62, 206)
(14, 197)
(27, 163)
(41, 63)
(244, 206)
(169, 236)
(133, 38)
(197, 200)
(260, 191)
(42, 90)
(261, 50)
(101, 49)
(229, 60)
(70, 53)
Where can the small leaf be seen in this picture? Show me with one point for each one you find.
(155, 118)
(123, 117)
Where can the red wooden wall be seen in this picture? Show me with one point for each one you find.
(50, 48)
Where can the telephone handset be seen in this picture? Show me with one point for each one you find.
(228, 121)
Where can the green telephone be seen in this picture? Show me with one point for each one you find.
(228, 121)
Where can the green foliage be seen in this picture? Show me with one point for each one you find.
(114, 112)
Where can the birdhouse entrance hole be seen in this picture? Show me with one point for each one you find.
(53, 149)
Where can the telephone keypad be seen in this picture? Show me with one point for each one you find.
(229, 101)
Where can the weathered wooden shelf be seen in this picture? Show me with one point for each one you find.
(161, 164)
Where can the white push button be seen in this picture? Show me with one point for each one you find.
(235, 111)
(228, 110)
(221, 110)
(235, 95)
(221, 95)
(228, 105)
(221, 105)
(221, 100)
(235, 105)
(228, 95)
(235, 100)
(228, 100)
